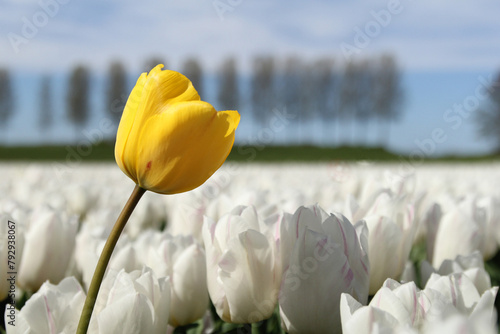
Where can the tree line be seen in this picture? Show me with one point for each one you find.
(360, 92)
(354, 92)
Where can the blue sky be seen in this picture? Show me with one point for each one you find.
(442, 47)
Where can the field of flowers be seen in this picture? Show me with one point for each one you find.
(298, 248)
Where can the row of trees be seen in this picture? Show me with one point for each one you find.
(488, 115)
(6, 96)
(358, 91)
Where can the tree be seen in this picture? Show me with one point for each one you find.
(6, 97)
(192, 70)
(45, 119)
(297, 91)
(289, 84)
(262, 87)
(349, 92)
(322, 82)
(78, 95)
(228, 94)
(488, 115)
(325, 94)
(364, 110)
(387, 93)
(116, 94)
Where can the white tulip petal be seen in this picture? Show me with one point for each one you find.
(245, 272)
(133, 314)
(189, 297)
(364, 319)
(312, 285)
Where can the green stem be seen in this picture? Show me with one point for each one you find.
(102, 264)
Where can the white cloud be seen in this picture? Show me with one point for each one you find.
(425, 35)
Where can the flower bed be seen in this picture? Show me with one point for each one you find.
(330, 247)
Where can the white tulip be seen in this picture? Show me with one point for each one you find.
(458, 234)
(488, 214)
(431, 222)
(52, 309)
(188, 288)
(459, 323)
(78, 199)
(395, 308)
(241, 275)
(183, 260)
(471, 266)
(135, 302)
(457, 293)
(402, 306)
(48, 248)
(391, 229)
(323, 257)
(367, 320)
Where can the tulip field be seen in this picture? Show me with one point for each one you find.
(259, 248)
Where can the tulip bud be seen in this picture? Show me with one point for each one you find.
(396, 307)
(78, 199)
(241, 273)
(48, 248)
(457, 293)
(393, 308)
(327, 258)
(471, 266)
(183, 260)
(391, 231)
(169, 141)
(458, 234)
(52, 309)
(459, 323)
(135, 302)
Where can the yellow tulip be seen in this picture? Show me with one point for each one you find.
(168, 140)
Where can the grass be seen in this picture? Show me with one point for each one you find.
(104, 152)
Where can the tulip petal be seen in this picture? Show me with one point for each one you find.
(486, 304)
(401, 301)
(357, 318)
(163, 88)
(246, 271)
(343, 233)
(151, 94)
(189, 297)
(213, 252)
(386, 238)
(180, 148)
(303, 218)
(364, 319)
(348, 305)
(53, 309)
(126, 123)
(466, 236)
(133, 314)
(48, 249)
(312, 285)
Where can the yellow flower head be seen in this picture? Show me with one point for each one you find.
(168, 140)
